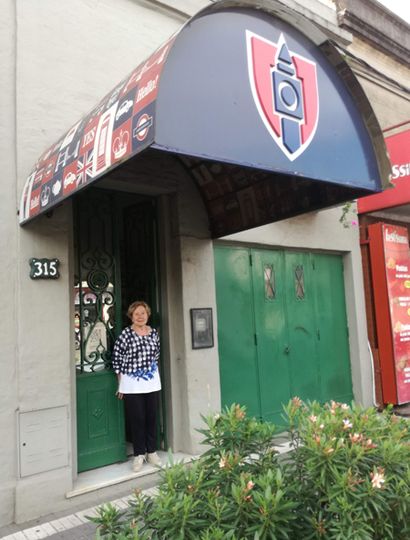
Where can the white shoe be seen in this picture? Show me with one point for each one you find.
(138, 463)
(154, 459)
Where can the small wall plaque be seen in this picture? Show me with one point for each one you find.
(44, 268)
(202, 328)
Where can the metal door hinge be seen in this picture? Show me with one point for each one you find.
(250, 259)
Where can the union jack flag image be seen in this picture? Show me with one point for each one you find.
(84, 168)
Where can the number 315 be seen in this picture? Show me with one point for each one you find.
(44, 268)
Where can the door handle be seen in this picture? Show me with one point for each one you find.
(286, 350)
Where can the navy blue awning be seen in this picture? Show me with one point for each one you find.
(249, 103)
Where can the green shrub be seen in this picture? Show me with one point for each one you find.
(347, 477)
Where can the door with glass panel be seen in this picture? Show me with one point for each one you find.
(115, 254)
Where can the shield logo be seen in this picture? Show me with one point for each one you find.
(285, 90)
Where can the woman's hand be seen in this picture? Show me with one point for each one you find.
(118, 393)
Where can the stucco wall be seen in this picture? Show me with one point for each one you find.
(66, 56)
(9, 276)
(387, 87)
(193, 375)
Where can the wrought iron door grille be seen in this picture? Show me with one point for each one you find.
(95, 283)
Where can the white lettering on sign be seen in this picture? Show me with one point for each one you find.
(397, 238)
(89, 136)
(44, 268)
(401, 170)
(35, 201)
(404, 328)
(147, 89)
(401, 268)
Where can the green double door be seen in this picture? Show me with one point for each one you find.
(282, 328)
(116, 263)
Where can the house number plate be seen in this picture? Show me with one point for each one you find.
(44, 268)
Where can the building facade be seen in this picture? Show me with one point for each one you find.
(191, 222)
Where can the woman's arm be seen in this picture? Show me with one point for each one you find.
(118, 356)
(119, 352)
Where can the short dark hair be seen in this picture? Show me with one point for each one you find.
(132, 307)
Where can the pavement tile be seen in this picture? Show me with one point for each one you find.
(18, 536)
(82, 516)
(34, 533)
(57, 525)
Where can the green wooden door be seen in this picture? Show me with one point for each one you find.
(333, 343)
(271, 332)
(301, 322)
(282, 328)
(236, 329)
(97, 289)
(116, 263)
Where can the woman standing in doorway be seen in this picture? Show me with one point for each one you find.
(135, 360)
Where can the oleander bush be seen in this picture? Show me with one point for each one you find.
(347, 476)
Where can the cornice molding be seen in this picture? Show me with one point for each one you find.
(377, 25)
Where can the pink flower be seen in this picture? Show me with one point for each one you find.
(249, 485)
(296, 402)
(356, 437)
(370, 444)
(313, 418)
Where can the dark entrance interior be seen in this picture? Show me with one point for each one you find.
(116, 263)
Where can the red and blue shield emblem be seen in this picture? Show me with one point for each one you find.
(285, 90)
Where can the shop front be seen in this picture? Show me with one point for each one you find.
(384, 220)
(197, 184)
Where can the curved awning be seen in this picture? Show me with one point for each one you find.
(236, 86)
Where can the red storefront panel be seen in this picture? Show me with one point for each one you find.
(398, 146)
(390, 263)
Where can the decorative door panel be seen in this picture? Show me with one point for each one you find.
(97, 291)
(100, 426)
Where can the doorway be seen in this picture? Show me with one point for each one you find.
(116, 262)
(282, 328)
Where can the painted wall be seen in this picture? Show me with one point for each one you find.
(389, 98)
(9, 276)
(60, 58)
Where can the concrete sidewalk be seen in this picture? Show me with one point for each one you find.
(114, 483)
(73, 526)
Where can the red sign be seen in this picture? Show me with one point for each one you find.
(397, 265)
(398, 147)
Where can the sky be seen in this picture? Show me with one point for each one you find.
(400, 7)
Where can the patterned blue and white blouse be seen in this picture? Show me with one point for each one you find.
(136, 356)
